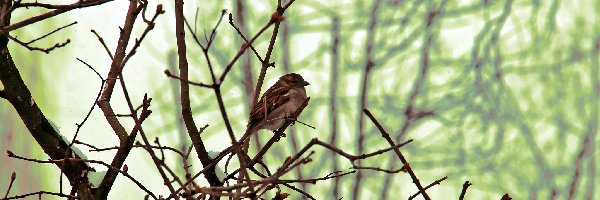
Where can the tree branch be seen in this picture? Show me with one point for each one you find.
(58, 9)
(186, 111)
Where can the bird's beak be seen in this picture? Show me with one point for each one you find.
(304, 83)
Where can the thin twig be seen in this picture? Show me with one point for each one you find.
(79, 125)
(101, 40)
(58, 9)
(437, 182)
(186, 110)
(31, 48)
(387, 137)
(13, 176)
(168, 73)
(464, 190)
(50, 33)
(12, 155)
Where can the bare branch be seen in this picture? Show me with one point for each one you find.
(437, 182)
(40, 193)
(58, 9)
(168, 73)
(387, 137)
(280, 12)
(186, 110)
(31, 48)
(50, 33)
(13, 176)
(464, 190)
(59, 161)
(101, 40)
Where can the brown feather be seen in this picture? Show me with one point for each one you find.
(275, 97)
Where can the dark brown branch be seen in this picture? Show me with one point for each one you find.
(314, 180)
(86, 144)
(138, 41)
(290, 163)
(464, 190)
(265, 63)
(101, 40)
(285, 184)
(58, 9)
(506, 197)
(144, 146)
(184, 144)
(13, 176)
(122, 152)
(212, 34)
(115, 71)
(79, 125)
(279, 12)
(243, 138)
(116, 68)
(168, 73)
(40, 193)
(246, 42)
(45, 50)
(59, 161)
(138, 123)
(437, 182)
(387, 137)
(51, 32)
(389, 171)
(235, 145)
(186, 110)
(20, 97)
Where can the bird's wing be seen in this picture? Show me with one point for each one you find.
(274, 98)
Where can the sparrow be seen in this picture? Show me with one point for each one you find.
(279, 102)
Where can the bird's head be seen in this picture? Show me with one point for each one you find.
(293, 79)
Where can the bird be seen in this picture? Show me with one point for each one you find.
(280, 101)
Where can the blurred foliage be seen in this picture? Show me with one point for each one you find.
(513, 85)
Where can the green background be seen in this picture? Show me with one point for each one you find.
(514, 87)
